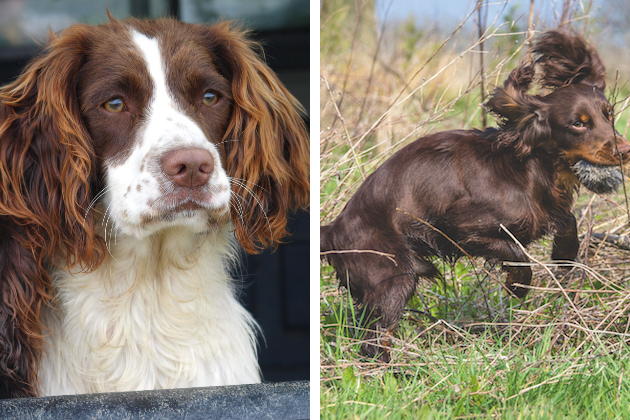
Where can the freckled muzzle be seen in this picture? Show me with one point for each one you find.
(188, 184)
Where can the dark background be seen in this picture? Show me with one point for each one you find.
(276, 284)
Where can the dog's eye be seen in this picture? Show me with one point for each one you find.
(210, 98)
(579, 124)
(115, 105)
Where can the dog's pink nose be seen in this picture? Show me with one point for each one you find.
(189, 167)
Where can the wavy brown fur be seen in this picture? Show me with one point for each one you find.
(566, 59)
(46, 159)
(271, 157)
(520, 115)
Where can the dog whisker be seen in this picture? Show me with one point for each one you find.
(255, 197)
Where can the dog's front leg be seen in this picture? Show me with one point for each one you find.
(520, 275)
(565, 241)
(509, 252)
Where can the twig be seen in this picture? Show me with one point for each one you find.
(578, 313)
(622, 242)
(481, 23)
(390, 257)
(530, 31)
(345, 129)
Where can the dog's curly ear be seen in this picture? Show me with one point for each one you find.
(46, 159)
(266, 141)
(565, 59)
(522, 117)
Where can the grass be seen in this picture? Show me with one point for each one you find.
(482, 377)
(464, 348)
(470, 351)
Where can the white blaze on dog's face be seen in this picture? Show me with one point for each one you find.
(168, 167)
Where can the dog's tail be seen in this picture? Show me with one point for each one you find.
(566, 59)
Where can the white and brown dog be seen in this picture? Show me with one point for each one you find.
(130, 153)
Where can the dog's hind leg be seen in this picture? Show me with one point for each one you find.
(386, 303)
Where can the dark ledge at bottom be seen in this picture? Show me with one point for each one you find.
(282, 400)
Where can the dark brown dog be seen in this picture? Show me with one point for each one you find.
(522, 175)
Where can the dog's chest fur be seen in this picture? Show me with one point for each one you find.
(159, 313)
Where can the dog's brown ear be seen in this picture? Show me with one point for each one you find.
(46, 159)
(566, 59)
(266, 142)
(512, 103)
(522, 117)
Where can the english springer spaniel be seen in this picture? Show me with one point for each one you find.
(134, 157)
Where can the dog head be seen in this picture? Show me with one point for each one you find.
(574, 122)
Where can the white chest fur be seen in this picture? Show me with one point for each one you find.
(158, 313)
